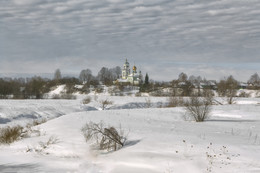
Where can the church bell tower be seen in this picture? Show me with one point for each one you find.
(126, 70)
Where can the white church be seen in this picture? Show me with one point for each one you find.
(133, 77)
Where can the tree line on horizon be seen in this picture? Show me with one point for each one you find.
(36, 87)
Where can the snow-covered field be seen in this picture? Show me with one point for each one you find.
(160, 140)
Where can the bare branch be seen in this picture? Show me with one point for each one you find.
(106, 137)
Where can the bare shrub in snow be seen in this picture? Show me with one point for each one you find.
(175, 101)
(105, 103)
(44, 145)
(99, 90)
(86, 100)
(198, 108)
(107, 138)
(29, 131)
(10, 134)
(52, 140)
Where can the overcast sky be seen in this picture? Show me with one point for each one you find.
(211, 38)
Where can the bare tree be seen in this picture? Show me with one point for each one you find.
(85, 76)
(187, 88)
(198, 107)
(105, 76)
(192, 79)
(36, 88)
(116, 72)
(108, 138)
(254, 80)
(228, 88)
(174, 86)
(57, 75)
(182, 77)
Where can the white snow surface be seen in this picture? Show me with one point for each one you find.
(160, 140)
(58, 90)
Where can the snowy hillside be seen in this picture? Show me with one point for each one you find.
(160, 140)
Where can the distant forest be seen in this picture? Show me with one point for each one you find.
(36, 87)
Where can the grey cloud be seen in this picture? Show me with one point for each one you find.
(153, 31)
